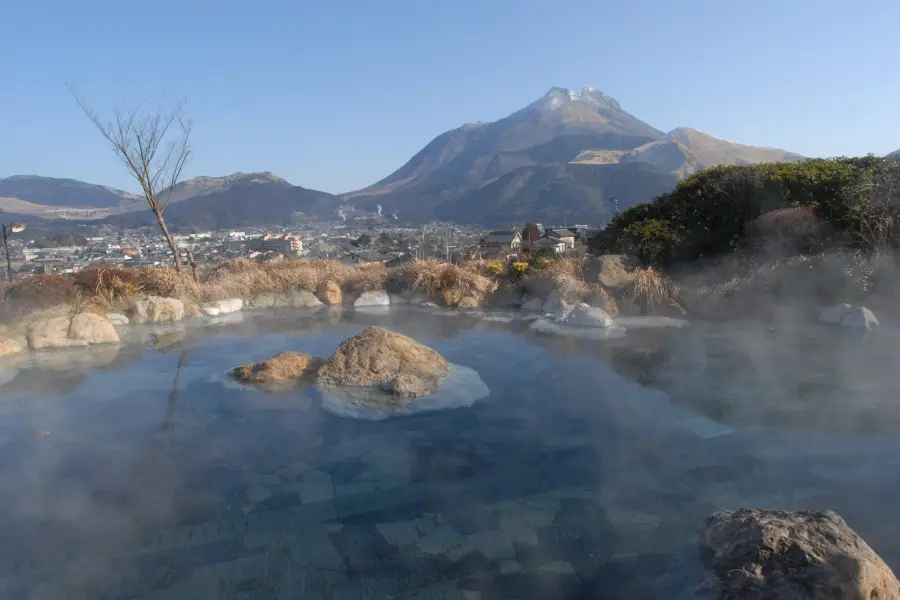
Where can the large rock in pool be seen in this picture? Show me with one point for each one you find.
(776, 555)
(222, 307)
(374, 298)
(381, 358)
(585, 315)
(847, 315)
(83, 329)
(284, 366)
(156, 309)
(329, 292)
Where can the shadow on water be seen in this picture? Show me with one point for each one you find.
(154, 476)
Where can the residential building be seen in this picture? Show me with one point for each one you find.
(562, 236)
(501, 243)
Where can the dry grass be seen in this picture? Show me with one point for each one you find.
(564, 275)
(597, 295)
(110, 290)
(649, 288)
(434, 277)
(164, 281)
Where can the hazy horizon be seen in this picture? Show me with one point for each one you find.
(335, 97)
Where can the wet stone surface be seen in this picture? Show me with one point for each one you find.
(568, 481)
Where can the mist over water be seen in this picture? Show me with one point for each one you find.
(140, 473)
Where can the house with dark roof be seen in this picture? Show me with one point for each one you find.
(562, 236)
(501, 243)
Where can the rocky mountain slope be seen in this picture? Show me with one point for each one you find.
(568, 153)
(551, 130)
(240, 200)
(685, 151)
(563, 157)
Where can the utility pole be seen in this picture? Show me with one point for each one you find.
(615, 201)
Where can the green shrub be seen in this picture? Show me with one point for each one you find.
(710, 212)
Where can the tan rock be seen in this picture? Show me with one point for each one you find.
(469, 302)
(378, 358)
(779, 555)
(450, 297)
(156, 309)
(329, 292)
(284, 366)
(407, 385)
(62, 332)
(9, 346)
(93, 329)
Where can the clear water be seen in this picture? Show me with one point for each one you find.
(126, 475)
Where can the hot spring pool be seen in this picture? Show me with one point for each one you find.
(138, 473)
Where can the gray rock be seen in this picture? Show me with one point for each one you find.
(555, 303)
(221, 307)
(532, 303)
(156, 309)
(860, 318)
(584, 315)
(374, 298)
(778, 555)
(847, 315)
(304, 299)
(117, 319)
(833, 315)
(61, 332)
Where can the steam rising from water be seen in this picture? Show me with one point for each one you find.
(147, 446)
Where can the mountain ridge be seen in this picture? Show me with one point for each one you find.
(566, 154)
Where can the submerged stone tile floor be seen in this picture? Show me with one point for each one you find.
(378, 525)
(542, 491)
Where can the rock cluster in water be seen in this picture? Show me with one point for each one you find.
(779, 555)
(82, 329)
(284, 366)
(375, 358)
(391, 361)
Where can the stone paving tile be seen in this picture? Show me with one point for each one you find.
(535, 586)
(316, 486)
(399, 533)
(362, 547)
(381, 584)
(440, 591)
(302, 583)
(264, 528)
(518, 530)
(359, 487)
(313, 547)
(510, 567)
(559, 567)
(493, 544)
(195, 535)
(442, 539)
(392, 505)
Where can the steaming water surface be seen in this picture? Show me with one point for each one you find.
(126, 475)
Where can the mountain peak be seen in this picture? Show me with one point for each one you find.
(558, 97)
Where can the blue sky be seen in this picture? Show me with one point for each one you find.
(335, 95)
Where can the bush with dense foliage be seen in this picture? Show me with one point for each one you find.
(713, 212)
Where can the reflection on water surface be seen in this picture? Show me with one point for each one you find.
(143, 476)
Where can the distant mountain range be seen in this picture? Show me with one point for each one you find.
(563, 157)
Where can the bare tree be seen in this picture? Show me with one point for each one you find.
(154, 146)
